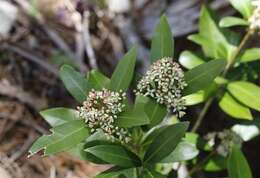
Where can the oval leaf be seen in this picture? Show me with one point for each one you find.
(162, 41)
(190, 60)
(233, 108)
(203, 75)
(75, 83)
(165, 142)
(123, 74)
(250, 55)
(246, 92)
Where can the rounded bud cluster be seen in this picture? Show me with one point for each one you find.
(164, 82)
(100, 111)
(254, 20)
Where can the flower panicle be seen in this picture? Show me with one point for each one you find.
(164, 82)
(100, 111)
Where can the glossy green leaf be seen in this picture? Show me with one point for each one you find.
(246, 92)
(98, 80)
(190, 60)
(123, 74)
(194, 98)
(183, 152)
(250, 55)
(92, 141)
(155, 112)
(165, 142)
(63, 137)
(233, 108)
(162, 41)
(114, 172)
(75, 83)
(211, 37)
(115, 154)
(58, 116)
(135, 116)
(233, 21)
(243, 6)
(237, 165)
(203, 75)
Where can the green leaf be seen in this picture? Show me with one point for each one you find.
(246, 92)
(98, 80)
(194, 98)
(114, 172)
(211, 37)
(133, 117)
(233, 108)
(165, 142)
(216, 163)
(237, 165)
(183, 152)
(58, 116)
(243, 6)
(232, 21)
(75, 83)
(190, 60)
(250, 55)
(162, 41)
(152, 174)
(203, 75)
(63, 137)
(115, 154)
(155, 112)
(123, 74)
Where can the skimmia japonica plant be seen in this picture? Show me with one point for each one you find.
(140, 139)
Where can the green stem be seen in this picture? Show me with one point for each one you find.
(200, 164)
(230, 64)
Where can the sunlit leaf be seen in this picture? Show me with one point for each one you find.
(247, 93)
(233, 108)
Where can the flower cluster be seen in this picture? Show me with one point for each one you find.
(164, 82)
(100, 111)
(254, 20)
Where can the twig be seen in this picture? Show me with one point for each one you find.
(32, 58)
(230, 64)
(202, 115)
(87, 40)
(200, 164)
